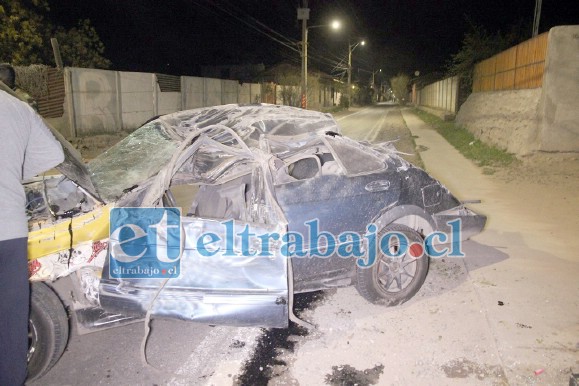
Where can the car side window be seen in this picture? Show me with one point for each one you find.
(304, 168)
(355, 159)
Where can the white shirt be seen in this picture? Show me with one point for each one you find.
(27, 148)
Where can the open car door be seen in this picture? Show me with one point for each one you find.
(225, 288)
(233, 280)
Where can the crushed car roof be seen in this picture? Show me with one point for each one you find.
(221, 136)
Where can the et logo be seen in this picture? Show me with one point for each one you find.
(145, 243)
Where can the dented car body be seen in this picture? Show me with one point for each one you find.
(272, 169)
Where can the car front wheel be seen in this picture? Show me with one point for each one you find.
(399, 270)
(48, 330)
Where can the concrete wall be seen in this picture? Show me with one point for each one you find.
(229, 91)
(100, 101)
(540, 119)
(558, 111)
(212, 92)
(192, 92)
(442, 95)
(95, 100)
(167, 102)
(136, 89)
(507, 119)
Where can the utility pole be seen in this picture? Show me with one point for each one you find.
(537, 17)
(304, 15)
(349, 73)
(350, 49)
(56, 52)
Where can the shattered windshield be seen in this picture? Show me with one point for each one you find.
(131, 161)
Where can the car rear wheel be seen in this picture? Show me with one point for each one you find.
(48, 330)
(399, 270)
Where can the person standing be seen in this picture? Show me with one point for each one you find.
(27, 148)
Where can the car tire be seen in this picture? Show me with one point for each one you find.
(394, 280)
(48, 330)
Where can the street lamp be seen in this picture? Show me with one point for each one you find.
(374, 73)
(351, 47)
(374, 85)
(305, 15)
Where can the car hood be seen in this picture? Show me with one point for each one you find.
(73, 167)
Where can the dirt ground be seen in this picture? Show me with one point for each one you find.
(92, 146)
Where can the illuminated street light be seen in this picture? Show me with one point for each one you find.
(351, 48)
(304, 14)
(377, 95)
(374, 73)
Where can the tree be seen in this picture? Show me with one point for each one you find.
(289, 84)
(399, 86)
(25, 37)
(81, 46)
(479, 45)
(22, 31)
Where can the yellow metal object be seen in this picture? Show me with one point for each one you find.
(90, 226)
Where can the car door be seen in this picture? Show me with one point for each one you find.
(339, 203)
(226, 278)
(217, 284)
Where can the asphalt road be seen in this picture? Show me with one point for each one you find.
(381, 123)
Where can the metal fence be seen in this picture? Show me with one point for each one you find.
(51, 105)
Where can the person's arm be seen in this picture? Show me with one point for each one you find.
(43, 151)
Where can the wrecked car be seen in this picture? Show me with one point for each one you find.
(259, 169)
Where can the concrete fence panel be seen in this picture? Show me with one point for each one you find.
(168, 101)
(212, 92)
(244, 93)
(95, 101)
(229, 89)
(192, 92)
(101, 101)
(136, 89)
(442, 95)
(255, 92)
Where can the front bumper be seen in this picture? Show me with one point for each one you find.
(471, 223)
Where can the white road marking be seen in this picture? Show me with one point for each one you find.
(373, 133)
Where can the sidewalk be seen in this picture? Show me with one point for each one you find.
(508, 313)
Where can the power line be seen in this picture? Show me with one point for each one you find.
(322, 57)
(256, 25)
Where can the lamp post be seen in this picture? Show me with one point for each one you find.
(374, 73)
(335, 25)
(373, 84)
(414, 91)
(304, 15)
(351, 47)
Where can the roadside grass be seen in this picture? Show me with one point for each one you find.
(483, 155)
(332, 109)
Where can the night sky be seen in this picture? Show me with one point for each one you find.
(179, 36)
